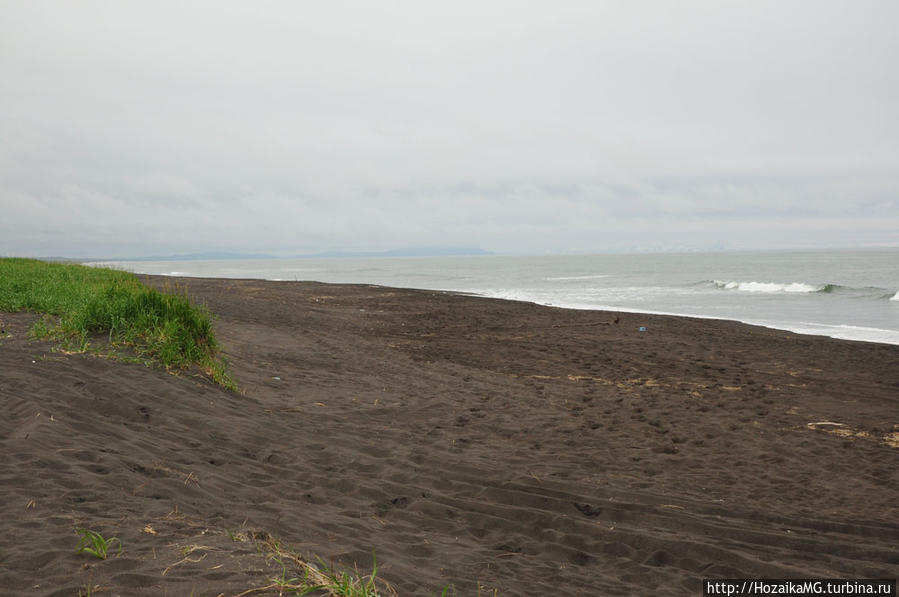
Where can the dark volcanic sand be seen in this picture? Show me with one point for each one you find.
(463, 440)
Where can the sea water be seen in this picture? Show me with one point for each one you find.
(848, 294)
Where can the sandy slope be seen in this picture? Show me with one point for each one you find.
(462, 440)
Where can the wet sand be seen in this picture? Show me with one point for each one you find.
(462, 440)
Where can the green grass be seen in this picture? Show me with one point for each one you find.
(85, 303)
(94, 543)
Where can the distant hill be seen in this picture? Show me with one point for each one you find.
(208, 256)
(409, 252)
(223, 255)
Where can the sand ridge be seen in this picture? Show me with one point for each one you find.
(478, 442)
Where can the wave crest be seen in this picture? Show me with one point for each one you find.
(773, 287)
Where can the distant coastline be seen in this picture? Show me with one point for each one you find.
(223, 255)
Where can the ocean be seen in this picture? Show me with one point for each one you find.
(848, 294)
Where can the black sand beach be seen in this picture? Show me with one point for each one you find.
(486, 444)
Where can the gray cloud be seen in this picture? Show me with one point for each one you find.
(520, 127)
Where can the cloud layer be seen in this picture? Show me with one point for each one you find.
(521, 127)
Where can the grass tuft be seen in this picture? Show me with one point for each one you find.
(82, 303)
(94, 543)
(298, 576)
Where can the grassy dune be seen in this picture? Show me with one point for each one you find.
(85, 304)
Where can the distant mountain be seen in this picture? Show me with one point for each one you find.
(223, 255)
(208, 256)
(409, 252)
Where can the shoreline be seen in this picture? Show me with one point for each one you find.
(795, 328)
(783, 327)
(856, 319)
(466, 441)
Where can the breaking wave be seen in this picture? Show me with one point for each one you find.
(774, 287)
(868, 293)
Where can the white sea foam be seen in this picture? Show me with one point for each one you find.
(768, 287)
(895, 296)
(841, 332)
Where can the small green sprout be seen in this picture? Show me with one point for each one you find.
(94, 543)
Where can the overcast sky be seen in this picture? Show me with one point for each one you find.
(135, 128)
